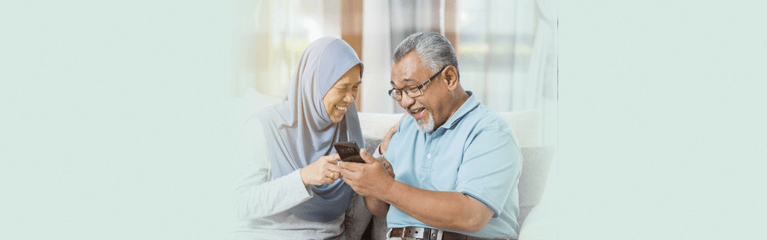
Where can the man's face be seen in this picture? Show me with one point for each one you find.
(428, 109)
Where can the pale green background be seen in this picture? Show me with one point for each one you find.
(662, 119)
(114, 120)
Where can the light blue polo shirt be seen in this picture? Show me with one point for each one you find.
(473, 153)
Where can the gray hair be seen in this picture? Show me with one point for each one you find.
(434, 50)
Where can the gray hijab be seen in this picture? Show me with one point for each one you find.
(298, 130)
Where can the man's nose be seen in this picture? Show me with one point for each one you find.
(406, 101)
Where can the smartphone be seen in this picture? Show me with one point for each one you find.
(348, 151)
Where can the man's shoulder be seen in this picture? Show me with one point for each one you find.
(484, 117)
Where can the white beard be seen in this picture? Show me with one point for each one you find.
(426, 127)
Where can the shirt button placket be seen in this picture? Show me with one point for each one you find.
(426, 163)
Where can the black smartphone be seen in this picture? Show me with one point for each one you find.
(348, 151)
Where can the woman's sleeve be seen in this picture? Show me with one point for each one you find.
(257, 194)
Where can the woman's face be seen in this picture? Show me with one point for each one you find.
(342, 94)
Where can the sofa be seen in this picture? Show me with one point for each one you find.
(537, 188)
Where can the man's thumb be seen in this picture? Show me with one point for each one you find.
(366, 157)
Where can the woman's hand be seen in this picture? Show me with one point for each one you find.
(385, 142)
(385, 163)
(323, 171)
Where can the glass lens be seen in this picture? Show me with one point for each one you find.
(394, 93)
(413, 91)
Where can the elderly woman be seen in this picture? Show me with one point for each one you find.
(291, 187)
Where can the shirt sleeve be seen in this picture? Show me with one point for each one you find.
(377, 153)
(257, 194)
(491, 167)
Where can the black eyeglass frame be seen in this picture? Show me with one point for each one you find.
(393, 92)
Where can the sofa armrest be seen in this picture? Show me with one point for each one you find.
(534, 178)
(542, 222)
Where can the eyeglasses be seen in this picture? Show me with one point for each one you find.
(412, 91)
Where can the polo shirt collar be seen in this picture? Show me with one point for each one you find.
(465, 108)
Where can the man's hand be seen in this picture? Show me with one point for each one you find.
(323, 171)
(370, 179)
(445, 210)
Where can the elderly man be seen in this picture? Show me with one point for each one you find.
(454, 163)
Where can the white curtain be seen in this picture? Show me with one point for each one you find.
(543, 70)
(386, 23)
(269, 37)
(508, 57)
(376, 55)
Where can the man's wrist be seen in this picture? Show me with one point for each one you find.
(386, 195)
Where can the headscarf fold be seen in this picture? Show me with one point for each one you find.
(298, 130)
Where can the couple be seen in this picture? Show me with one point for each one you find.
(448, 170)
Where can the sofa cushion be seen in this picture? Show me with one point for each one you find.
(371, 143)
(524, 125)
(376, 125)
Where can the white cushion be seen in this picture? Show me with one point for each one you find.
(524, 125)
(376, 125)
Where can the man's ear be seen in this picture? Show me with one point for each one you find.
(450, 74)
